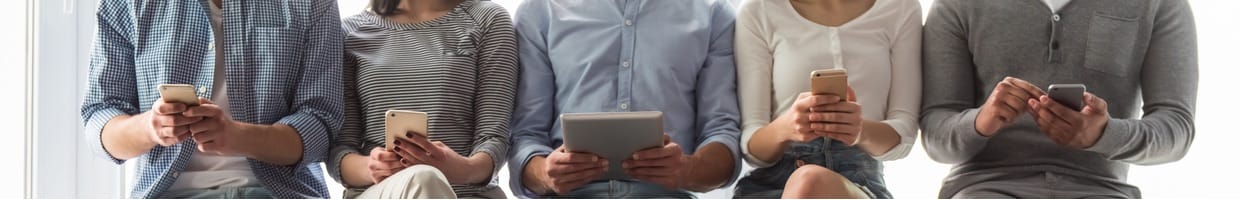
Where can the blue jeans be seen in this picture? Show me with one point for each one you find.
(618, 189)
(849, 161)
(220, 193)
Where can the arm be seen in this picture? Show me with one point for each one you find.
(112, 93)
(534, 114)
(1169, 92)
(754, 62)
(303, 136)
(949, 110)
(716, 160)
(346, 164)
(893, 138)
(496, 90)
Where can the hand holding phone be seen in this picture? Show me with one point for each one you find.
(398, 123)
(1070, 95)
(178, 93)
(829, 82)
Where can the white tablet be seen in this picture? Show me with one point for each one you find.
(613, 135)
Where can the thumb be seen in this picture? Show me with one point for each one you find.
(1094, 104)
(852, 94)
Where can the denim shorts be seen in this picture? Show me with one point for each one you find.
(853, 163)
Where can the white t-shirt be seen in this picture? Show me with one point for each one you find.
(776, 49)
(210, 171)
(1056, 5)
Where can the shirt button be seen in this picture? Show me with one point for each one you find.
(1055, 45)
(624, 106)
(211, 46)
(1055, 17)
(202, 90)
(175, 174)
(628, 22)
(625, 64)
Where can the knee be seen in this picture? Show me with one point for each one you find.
(423, 175)
(814, 180)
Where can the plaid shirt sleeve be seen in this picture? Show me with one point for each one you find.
(112, 89)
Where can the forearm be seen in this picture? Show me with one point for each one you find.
(533, 175)
(877, 137)
(709, 168)
(354, 170)
(767, 144)
(124, 139)
(276, 144)
(478, 170)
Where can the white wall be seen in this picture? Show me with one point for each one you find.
(13, 84)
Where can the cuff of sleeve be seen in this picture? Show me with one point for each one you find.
(94, 132)
(967, 132)
(516, 171)
(747, 135)
(907, 138)
(333, 166)
(1113, 137)
(731, 142)
(314, 137)
(498, 158)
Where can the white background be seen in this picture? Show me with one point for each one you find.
(1207, 172)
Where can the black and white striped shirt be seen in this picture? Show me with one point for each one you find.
(460, 68)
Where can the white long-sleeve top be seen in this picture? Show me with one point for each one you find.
(777, 48)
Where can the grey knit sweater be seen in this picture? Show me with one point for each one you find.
(1139, 56)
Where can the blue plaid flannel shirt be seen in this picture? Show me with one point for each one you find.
(283, 59)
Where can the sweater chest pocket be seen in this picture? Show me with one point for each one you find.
(1110, 45)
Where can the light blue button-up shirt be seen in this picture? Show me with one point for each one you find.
(673, 56)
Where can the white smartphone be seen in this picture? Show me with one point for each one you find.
(178, 93)
(829, 81)
(1070, 95)
(399, 122)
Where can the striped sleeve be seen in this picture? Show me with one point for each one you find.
(497, 88)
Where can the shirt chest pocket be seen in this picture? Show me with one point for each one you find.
(1110, 45)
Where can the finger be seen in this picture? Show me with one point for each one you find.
(852, 94)
(1094, 104)
(576, 158)
(567, 169)
(1027, 87)
(836, 128)
(421, 142)
(826, 99)
(204, 110)
(205, 137)
(1006, 89)
(847, 107)
(1005, 113)
(414, 155)
(384, 155)
(167, 108)
(836, 117)
(1067, 114)
(204, 126)
(174, 120)
(655, 153)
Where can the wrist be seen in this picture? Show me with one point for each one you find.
(254, 137)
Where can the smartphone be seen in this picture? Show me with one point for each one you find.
(1070, 95)
(829, 81)
(399, 122)
(178, 93)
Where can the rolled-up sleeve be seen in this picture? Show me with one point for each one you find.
(112, 86)
(534, 115)
(317, 105)
(718, 115)
(904, 104)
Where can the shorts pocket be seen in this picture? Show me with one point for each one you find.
(1111, 43)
